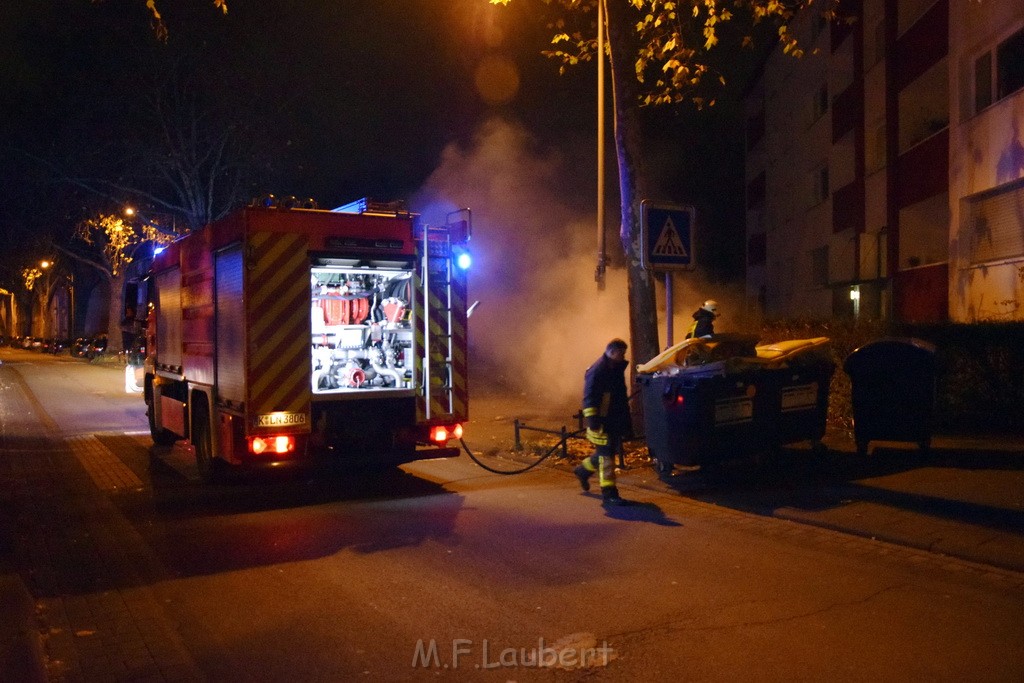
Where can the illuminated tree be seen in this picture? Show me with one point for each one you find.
(40, 290)
(661, 52)
(160, 28)
(114, 243)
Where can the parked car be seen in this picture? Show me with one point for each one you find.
(80, 347)
(98, 346)
(56, 346)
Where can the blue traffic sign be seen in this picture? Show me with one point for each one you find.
(666, 236)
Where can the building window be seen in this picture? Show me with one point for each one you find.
(924, 232)
(819, 266)
(924, 106)
(999, 73)
(1010, 65)
(982, 81)
(993, 223)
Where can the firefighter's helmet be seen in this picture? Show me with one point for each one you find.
(711, 306)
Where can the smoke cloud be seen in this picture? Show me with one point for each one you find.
(541, 319)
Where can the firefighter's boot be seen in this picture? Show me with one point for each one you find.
(610, 496)
(583, 474)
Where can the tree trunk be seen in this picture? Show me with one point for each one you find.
(643, 318)
(115, 313)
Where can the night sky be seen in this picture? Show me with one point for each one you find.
(338, 100)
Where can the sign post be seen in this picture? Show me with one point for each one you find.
(666, 240)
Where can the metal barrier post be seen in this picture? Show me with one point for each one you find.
(565, 443)
(519, 444)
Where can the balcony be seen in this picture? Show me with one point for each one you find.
(848, 207)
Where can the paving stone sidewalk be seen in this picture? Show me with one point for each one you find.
(78, 578)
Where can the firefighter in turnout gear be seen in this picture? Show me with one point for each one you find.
(606, 409)
(703, 326)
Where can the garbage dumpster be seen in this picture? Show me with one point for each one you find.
(706, 401)
(798, 374)
(893, 392)
(699, 416)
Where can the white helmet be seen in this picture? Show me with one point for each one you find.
(711, 306)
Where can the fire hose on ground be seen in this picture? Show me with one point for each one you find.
(564, 435)
(560, 444)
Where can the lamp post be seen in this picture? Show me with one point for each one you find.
(602, 258)
(71, 306)
(47, 319)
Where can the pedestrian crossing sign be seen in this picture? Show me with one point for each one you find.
(666, 236)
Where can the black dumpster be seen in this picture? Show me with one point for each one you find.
(701, 417)
(729, 399)
(796, 398)
(893, 392)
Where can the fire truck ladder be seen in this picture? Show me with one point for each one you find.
(440, 247)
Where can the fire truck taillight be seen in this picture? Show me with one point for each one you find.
(441, 433)
(273, 444)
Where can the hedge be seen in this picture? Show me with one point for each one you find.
(980, 368)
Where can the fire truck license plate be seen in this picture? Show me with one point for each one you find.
(731, 410)
(280, 419)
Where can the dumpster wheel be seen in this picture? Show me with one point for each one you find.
(661, 467)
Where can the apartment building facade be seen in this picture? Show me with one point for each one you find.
(885, 168)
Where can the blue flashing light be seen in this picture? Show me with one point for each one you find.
(158, 250)
(463, 260)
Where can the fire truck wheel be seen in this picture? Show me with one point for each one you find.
(210, 467)
(161, 436)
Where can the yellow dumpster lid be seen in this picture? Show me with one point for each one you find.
(767, 354)
(784, 350)
(674, 355)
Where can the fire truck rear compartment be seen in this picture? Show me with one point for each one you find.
(361, 325)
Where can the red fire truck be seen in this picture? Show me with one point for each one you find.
(281, 336)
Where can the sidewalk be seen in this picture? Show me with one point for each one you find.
(75, 579)
(965, 498)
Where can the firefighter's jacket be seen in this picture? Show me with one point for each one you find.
(703, 324)
(605, 397)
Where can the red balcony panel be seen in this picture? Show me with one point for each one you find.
(922, 46)
(921, 295)
(923, 171)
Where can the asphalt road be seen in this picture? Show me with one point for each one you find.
(441, 570)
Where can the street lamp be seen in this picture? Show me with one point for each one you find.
(47, 319)
(602, 258)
